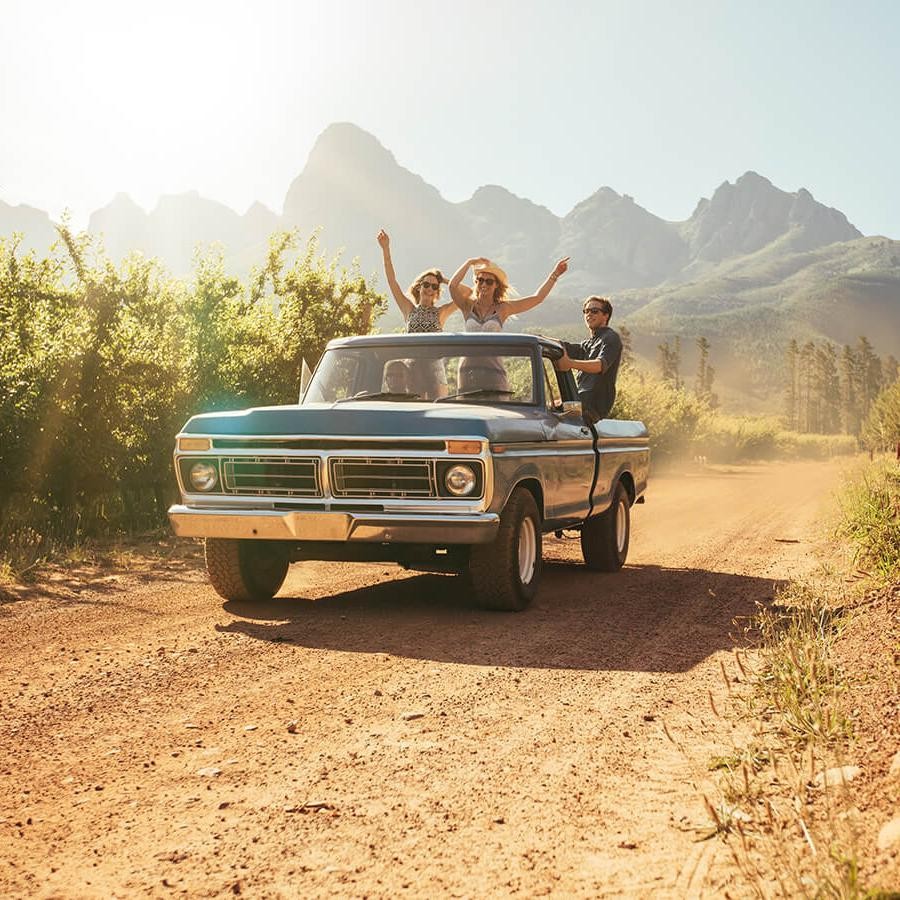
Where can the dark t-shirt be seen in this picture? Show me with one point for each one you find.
(597, 390)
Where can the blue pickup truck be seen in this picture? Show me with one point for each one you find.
(440, 452)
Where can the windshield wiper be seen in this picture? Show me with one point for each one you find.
(480, 392)
(381, 395)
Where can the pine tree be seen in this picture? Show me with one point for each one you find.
(791, 384)
(849, 411)
(627, 351)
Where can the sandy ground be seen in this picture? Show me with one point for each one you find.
(368, 733)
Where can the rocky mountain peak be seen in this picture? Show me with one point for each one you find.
(744, 217)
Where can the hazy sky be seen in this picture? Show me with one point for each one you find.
(660, 100)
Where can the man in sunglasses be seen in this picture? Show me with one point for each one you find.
(596, 360)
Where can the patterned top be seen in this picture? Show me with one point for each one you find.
(423, 318)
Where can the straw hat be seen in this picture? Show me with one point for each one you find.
(494, 270)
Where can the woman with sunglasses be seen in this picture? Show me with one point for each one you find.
(421, 314)
(487, 313)
(490, 309)
(419, 305)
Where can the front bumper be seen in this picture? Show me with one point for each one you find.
(278, 525)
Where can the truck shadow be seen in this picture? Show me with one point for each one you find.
(644, 618)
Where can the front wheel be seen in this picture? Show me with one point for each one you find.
(246, 570)
(506, 572)
(604, 538)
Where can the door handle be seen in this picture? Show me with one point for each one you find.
(585, 430)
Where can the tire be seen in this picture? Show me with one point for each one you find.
(247, 571)
(505, 573)
(605, 538)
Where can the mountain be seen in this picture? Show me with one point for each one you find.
(352, 186)
(35, 226)
(618, 244)
(745, 216)
(752, 267)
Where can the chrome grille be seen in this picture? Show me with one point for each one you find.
(380, 477)
(283, 476)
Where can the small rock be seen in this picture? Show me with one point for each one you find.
(889, 834)
(628, 845)
(209, 772)
(409, 716)
(837, 776)
(190, 725)
(250, 727)
(292, 726)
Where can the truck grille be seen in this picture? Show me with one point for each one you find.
(366, 477)
(280, 476)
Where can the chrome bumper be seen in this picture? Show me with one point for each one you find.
(277, 525)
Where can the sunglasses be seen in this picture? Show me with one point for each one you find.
(591, 310)
(485, 279)
(431, 285)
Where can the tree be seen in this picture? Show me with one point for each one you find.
(849, 411)
(791, 392)
(881, 428)
(627, 350)
(705, 374)
(669, 359)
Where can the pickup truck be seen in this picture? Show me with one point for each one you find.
(440, 452)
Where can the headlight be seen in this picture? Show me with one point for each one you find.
(460, 480)
(204, 476)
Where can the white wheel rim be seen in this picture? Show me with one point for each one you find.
(621, 526)
(527, 550)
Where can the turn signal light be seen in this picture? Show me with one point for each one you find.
(186, 443)
(464, 447)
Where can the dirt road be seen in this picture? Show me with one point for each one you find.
(367, 733)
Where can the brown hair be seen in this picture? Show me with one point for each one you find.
(602, 302)
(416, 286)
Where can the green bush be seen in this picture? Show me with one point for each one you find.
(671, 414)
(881, 429)
(100, 366)
(870, 518)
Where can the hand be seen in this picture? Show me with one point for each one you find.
(383, 240)
(561, 267)
(479, 261)
(563, 364)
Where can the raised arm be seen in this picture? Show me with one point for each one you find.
(523, 304)
(460, 293)
(406, 305)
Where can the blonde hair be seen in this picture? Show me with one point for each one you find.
(500, 289)
(416, 287)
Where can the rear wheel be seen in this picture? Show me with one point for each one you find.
(246, 570)
(505, 573)
(604, 538)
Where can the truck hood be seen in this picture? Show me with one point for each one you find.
(375, 419)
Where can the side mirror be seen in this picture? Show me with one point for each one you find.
(305, 378)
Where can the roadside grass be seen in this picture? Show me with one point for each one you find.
(870, 519)
(784, 803)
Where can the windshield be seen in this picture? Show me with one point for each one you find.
(433, 373)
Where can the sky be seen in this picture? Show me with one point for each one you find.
(660, 100)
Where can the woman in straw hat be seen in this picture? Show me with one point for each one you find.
(488, 309)
(487, 312)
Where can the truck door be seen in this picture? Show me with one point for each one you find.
(569, 469)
